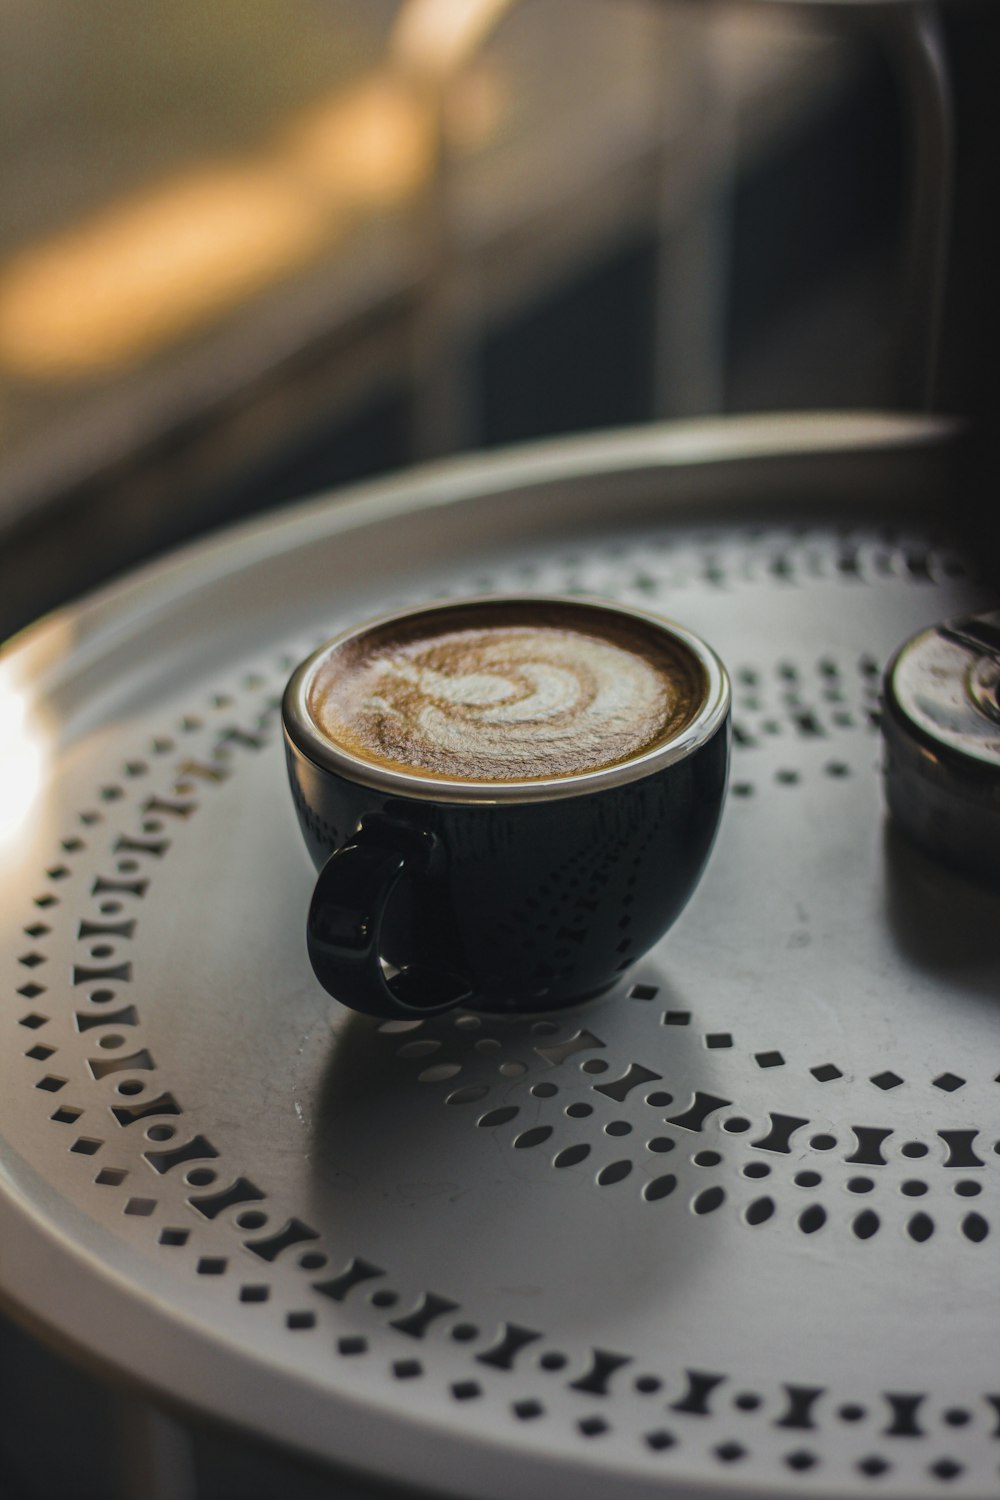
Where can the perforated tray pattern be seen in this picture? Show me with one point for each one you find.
(733, 1225)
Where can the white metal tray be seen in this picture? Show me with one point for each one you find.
(732, 1229)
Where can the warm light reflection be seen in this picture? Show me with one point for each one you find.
(152, 267)
(371, 146)
(21, 760)
(155, 266)
(436, 36)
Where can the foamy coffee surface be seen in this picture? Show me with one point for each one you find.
(506, 692)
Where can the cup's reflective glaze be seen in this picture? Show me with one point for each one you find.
(515, 897)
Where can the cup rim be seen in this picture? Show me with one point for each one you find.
(306, 738)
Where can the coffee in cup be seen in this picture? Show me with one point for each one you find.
(499, 693)
(509, 799)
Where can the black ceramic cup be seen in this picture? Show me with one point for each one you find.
(504, 896)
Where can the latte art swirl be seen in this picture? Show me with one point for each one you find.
(497, 702)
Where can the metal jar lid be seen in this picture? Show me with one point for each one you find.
(942, 734)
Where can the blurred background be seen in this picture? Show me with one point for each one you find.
(258, 248)
(254, 249)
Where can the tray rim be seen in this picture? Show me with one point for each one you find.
(761, 444)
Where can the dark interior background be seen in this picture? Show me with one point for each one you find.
(808, 306)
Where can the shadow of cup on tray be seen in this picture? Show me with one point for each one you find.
(492, 1151)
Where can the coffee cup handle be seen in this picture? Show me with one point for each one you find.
(344, 926)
